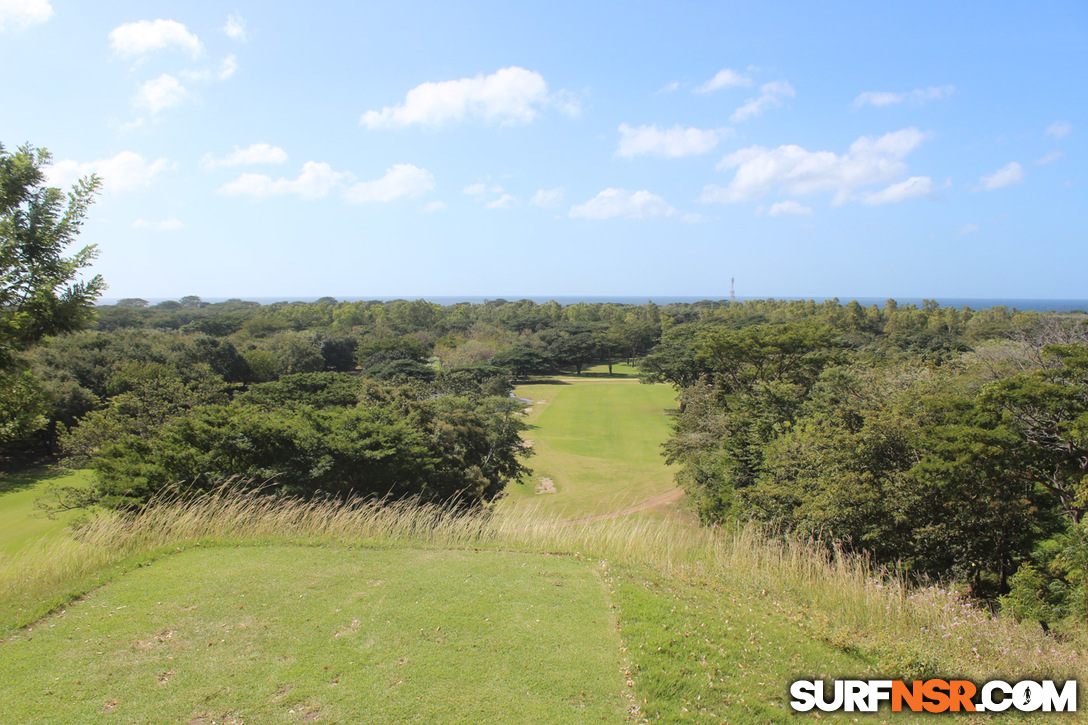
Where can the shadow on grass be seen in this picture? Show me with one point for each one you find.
(542, 381)
(12, 481)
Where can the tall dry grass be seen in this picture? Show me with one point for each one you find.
(840, 598)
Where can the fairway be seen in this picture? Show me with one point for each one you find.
(598, 441)
(281, 633)
(21, 522)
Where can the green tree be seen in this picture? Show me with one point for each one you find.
(40, 290)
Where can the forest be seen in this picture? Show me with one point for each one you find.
(942, 442)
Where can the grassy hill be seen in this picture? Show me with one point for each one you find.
(241, 610)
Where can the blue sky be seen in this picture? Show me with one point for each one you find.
(262, 149)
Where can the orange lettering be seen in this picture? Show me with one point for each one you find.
(912, 696)
(961, 693)
(934, 690)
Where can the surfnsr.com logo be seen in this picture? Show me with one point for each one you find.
(934, 696)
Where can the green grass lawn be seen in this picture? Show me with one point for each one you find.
(281, 633)
(599, 440)
(20, 521)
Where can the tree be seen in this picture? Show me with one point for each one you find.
(40, 290)
(39, 293)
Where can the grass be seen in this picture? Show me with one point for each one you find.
(293, 634)
(712, 625)
(20, 521)
(599, 441)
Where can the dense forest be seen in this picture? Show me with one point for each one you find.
(947, 443)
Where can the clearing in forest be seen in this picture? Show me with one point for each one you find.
(597, 443)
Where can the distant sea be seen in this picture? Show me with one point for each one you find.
(445, 300)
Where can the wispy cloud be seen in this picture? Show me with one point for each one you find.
(21, 14)
(1059, 129)
(1049, 158)
(968, 229)
(668, 142)
(401, 181)
(235, 28)
(620, 203)
(126, 171)
(258, 153)
(548, 198)
(919, 96)
(916, 187)
(770, 96)
(725, 78)
(798, 171)
(1009, 174)
(509, 96)
(133, 40)
(159, 94)
(317, 179)
(789, 208)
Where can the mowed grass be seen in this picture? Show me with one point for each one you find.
(21, 522)
(599, 441)
(280, 633)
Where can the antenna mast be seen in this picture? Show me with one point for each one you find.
(732, 291)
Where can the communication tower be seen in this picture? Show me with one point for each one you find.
(732, 291)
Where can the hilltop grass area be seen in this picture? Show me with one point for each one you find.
(280, 633)
(241, 609)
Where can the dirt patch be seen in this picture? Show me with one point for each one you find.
(525, 443)
(546, 485)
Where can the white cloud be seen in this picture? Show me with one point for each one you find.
(160, 93)
(548, 198)
(968, 229)
(171, 224)
(434, 206)
(124, 172)
(1059, 129)
(133, 40)
(670, 142)
(771, 95)
(506, 201)
(315, 181)
(235, 28)
(613, 203)
(227, 67)
(669, 87)
(789, 208)
(508, 96)
(725, 78)
(1049, 158)
(21, 14)
(918, 96)
(799, 171)
(401, 181)
(258, 153)
(480, 189)
(915, 187)
(1011, 173)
